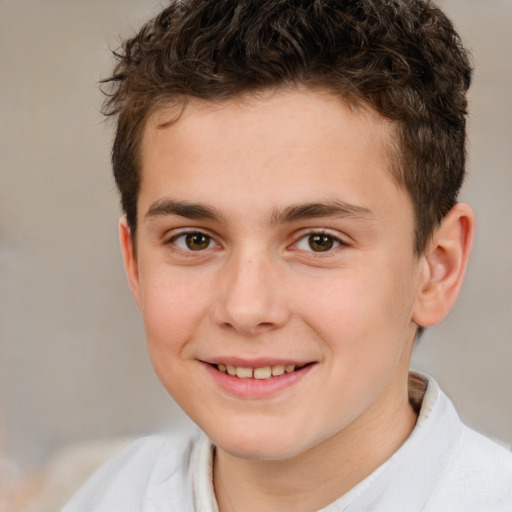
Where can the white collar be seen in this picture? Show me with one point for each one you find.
(202, 471)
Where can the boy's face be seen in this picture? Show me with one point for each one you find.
(271, 233)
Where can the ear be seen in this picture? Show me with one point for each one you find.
(130, 259)
(444, 265)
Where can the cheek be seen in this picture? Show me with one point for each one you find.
(170, 311)
(360, 314)
(170, 318)
(342, 307)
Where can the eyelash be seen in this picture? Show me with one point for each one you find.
(184, 234)
(333, 242)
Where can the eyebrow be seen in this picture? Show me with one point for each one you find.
(183, 209)
(291, 213)
(335, 208)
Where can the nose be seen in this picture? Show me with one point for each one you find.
(251, 295)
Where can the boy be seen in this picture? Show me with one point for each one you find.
(289, 171)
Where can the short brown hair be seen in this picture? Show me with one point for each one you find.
(403, 58)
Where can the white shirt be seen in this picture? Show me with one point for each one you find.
(442, 467)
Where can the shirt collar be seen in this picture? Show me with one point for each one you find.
(408, 478)
(202, 471)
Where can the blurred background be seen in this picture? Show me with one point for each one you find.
(75, 380)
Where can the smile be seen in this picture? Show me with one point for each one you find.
(258, 380)
(261, 373)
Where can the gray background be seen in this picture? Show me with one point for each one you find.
(73, 364)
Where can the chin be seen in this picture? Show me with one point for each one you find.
(258, 443)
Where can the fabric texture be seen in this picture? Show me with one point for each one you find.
(443, 466)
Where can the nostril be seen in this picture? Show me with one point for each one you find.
(249, 328)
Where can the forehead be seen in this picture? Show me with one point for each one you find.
(297, 143)
(323, 110)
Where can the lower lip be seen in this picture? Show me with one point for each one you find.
(256, 388)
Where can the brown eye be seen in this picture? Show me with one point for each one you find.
(193, 241)
(318, 242)
(197, 241)
(321, 242)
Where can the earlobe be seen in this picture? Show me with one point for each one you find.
(130, 259)
(444, 265)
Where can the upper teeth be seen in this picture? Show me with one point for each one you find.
(264, 372)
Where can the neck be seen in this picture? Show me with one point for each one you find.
(319, 476)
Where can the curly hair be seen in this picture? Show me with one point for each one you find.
(402, 58)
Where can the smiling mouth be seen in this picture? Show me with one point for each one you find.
(261, 373)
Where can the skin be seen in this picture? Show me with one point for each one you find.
(238, 174)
